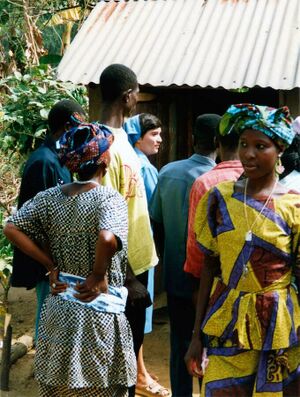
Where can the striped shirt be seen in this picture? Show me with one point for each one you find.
(224, 171)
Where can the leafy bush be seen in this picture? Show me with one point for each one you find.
(26, 103)
(6, 254)
(5, 247)
(9, 187)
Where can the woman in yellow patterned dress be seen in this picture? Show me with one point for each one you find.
(248, 304)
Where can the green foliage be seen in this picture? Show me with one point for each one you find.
(24, 32)
(5, 275)
(27, 93)
(6, 255)
(51, 59)
(26, 103)
(5, 246)
(240, 90)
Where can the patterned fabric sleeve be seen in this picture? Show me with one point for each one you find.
(114, 218)
(194, 256)
(296, 240)
(206, 223)
(30, 218)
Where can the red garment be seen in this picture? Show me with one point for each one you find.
(224, 171)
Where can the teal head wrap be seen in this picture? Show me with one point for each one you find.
(275, 123)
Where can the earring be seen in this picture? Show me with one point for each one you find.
(279, 168)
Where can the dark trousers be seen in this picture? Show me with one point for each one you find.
(182, 317)
(136, 317)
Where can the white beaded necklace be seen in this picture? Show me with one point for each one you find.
(249, 233)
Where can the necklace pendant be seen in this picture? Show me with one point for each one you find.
(248, 236)
(245, 270)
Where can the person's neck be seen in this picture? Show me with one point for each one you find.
(78, 187)
(95, 180)
(112, 115)
(226, 155)
(261, 186)
(211, 155)
(136, 147)
(50, 142)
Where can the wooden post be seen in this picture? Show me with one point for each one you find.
(172, 155)
(5, 364)
(290, 98)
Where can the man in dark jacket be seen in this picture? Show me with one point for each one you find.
(42, 171)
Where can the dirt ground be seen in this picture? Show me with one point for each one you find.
(22, 307)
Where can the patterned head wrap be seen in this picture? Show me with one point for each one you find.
(275, 123)
(86, 144)
(132, 126)
(76, 119)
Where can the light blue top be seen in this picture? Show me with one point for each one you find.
(149, 174)
(169, 205)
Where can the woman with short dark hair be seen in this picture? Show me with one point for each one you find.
(144, 134)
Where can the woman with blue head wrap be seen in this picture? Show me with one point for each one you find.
(144, 134)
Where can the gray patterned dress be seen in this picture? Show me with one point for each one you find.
(80, 351)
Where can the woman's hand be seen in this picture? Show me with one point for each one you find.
(92, 287)
(138, 296)
(194, 355)
(193, 358)
(56, 285)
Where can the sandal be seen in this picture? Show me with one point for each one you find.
(153, 389)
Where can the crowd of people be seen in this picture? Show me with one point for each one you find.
(93, 215)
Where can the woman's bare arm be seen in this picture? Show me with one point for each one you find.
(43, 256)
(96, 282)
(193, 356)
(29, 247)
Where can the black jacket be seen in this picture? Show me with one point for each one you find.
(42, 171)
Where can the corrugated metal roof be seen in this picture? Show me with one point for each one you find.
(216, 43)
